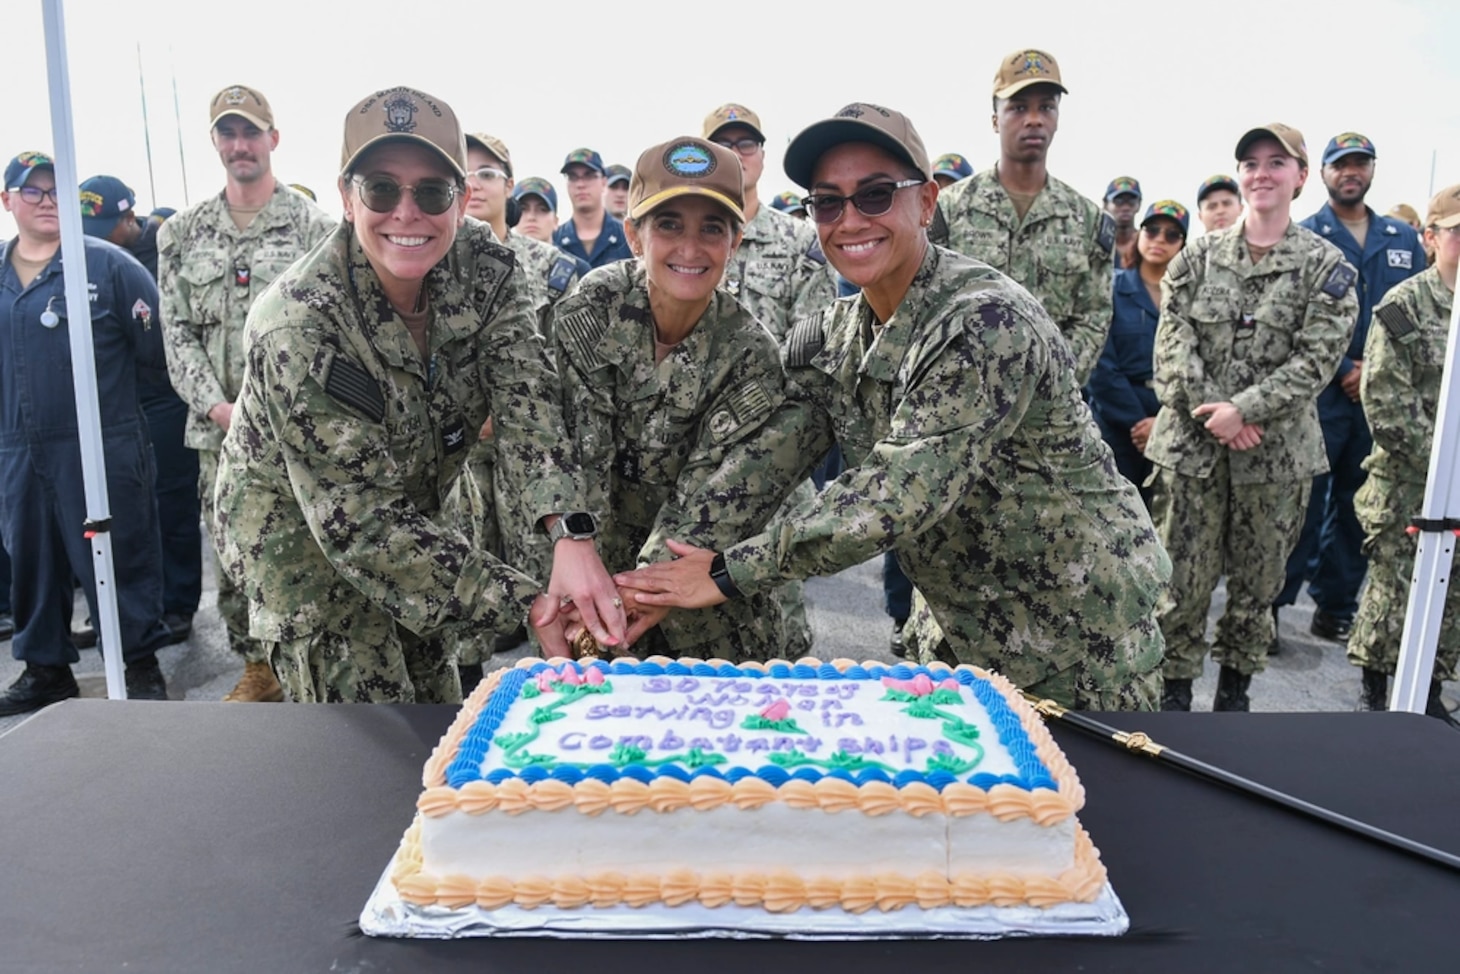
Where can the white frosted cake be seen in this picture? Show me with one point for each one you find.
(780, 786)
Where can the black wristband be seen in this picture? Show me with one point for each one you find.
(720, 575)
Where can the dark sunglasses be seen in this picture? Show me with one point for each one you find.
(1170, 234)
(873, 200)
(382, 194)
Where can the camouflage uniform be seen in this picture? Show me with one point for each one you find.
(1060, 252)
(701, 447)
(344, 444)
(1404, 362)
(971, 453)
(779, 273)
(1265, 337)
(209, 274)
(548, 274)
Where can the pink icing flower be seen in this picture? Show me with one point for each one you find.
(570, 676)
(918, 686)
(949, 684)
(594, 676)
(545, 681)
(777, 711)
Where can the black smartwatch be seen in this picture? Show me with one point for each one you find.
(578, 525)
(721, 577)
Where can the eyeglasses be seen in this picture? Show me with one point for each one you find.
(486, 174)
(382, 194)
(1452, 231)
(745, 146)
(1169, 234)
(871, 200)
(33, 195)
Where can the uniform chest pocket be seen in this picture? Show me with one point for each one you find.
(208, 278)
(268, 263)
(1059, 265)
(768, 277)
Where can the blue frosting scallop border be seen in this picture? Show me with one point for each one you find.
(1031, 772)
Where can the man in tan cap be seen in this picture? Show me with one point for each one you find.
(372, 363)
(1402, 385)
(779, 274)
(1254, 320)
(214, 259)
(1018, 218)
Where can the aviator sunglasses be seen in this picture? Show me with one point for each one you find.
(1169, 234)
(382, 194)
(873, 200)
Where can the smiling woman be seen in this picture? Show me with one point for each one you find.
(971, 452)
(371, 364)
(676, 397)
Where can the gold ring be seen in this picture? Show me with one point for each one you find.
(618, 602)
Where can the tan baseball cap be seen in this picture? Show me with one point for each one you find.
(1405, 212)
(403, 115)
(1024, 68)
(686, 166)
(732, 114)
(243, 101)
(858, 122)
(493, 145)
(1444, 208)
(1288, 137)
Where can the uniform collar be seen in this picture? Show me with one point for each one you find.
(1286, 255)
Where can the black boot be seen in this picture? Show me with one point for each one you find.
(1176, 694)
(1435, 707)
(1232, 691)
(36, 687)
(899, 648)
(471, 675)
(1276, 646)
(1374, 690)
(144, 680)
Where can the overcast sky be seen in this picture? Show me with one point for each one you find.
(1159, 89)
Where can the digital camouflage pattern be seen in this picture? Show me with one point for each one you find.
(1404, 364)
(209, 274)
(702, 447)
(971, 453)
(345, 444)
(1211, 527)
(548, 274)
(779, 273)
(1266, 337)
(1060, 252)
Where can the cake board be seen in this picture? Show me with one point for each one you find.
(387, 915)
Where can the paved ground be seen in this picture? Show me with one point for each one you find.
(847, 620)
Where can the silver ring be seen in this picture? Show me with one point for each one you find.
(565, 601)
(618, 602)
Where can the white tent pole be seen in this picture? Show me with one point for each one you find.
(83, 358)
(1434, 560)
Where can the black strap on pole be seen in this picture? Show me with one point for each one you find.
(1139, 743)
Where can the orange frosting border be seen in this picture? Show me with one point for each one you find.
(777, 892)
(627, 796)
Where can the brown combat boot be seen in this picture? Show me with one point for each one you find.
(257, 685)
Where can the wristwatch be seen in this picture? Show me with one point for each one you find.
(578, 525)
(720, 575)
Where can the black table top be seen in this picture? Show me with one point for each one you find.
(204, 837)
